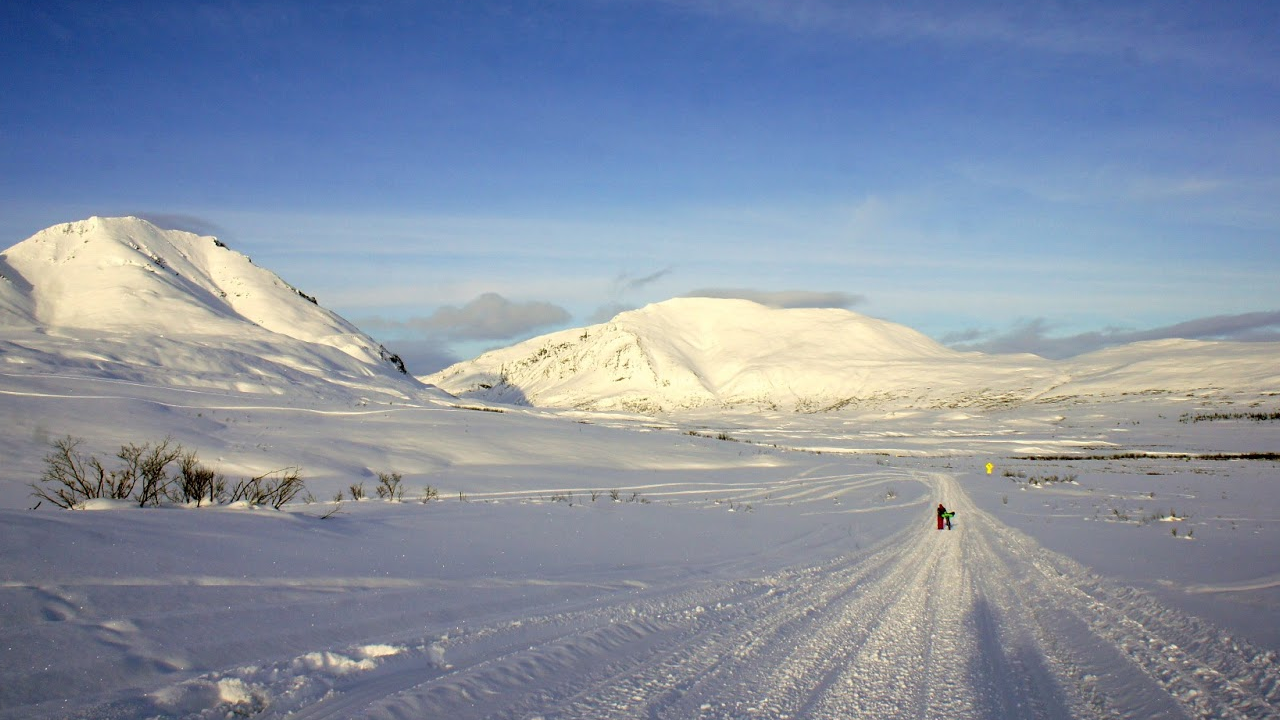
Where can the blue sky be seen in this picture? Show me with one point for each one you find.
(457, 175)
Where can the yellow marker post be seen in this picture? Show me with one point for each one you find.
(990, 467)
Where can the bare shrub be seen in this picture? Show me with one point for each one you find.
(197, 483)
(390, 486)
(69, 478)
(274, 488)
(146, 470)
(357, 491)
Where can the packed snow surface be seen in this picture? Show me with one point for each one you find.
(1114, 553)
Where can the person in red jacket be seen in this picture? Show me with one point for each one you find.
(944, 515)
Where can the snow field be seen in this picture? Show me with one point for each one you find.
(772, 563)
(756, 582)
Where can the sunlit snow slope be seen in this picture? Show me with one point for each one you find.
(122, 298)
(717, 353)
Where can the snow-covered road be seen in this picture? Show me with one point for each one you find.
(977, 622)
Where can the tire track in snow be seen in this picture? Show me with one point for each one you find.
(701, 632)
(1137, 654)
(913, 662)
(977, 623)
(770, 662)
(1114, 651)
(523, 664)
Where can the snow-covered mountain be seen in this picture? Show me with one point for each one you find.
(122, 298)
(717, 353)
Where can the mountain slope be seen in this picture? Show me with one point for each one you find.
(120, 297)
(1176, 366)
(714, 353)
(700, 352)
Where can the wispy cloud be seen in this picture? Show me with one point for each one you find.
(626, 282)
(607, 312)
(623, 285)
(1033, 336)
(1095, 185)
(784, 298)
(1132, 32)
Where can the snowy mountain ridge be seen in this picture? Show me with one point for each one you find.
(693, 353)
(120, 297)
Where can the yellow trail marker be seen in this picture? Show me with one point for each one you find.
(990, 467)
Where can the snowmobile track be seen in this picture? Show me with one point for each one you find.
(976, 623)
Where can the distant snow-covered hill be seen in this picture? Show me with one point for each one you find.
(692, 353)
(709, 353)
(122, 298)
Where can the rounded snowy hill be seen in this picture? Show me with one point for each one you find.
(708, 353)
(694, 353)
(1204, 368)
(122, 298)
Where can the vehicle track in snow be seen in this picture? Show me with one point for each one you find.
(980, 622)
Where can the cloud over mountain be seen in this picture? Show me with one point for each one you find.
(489, 317)
(1034, 336)
(783, 298)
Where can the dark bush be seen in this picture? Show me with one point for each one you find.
(70, 478)
(390, 486)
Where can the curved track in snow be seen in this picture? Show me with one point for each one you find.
(978, 622)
